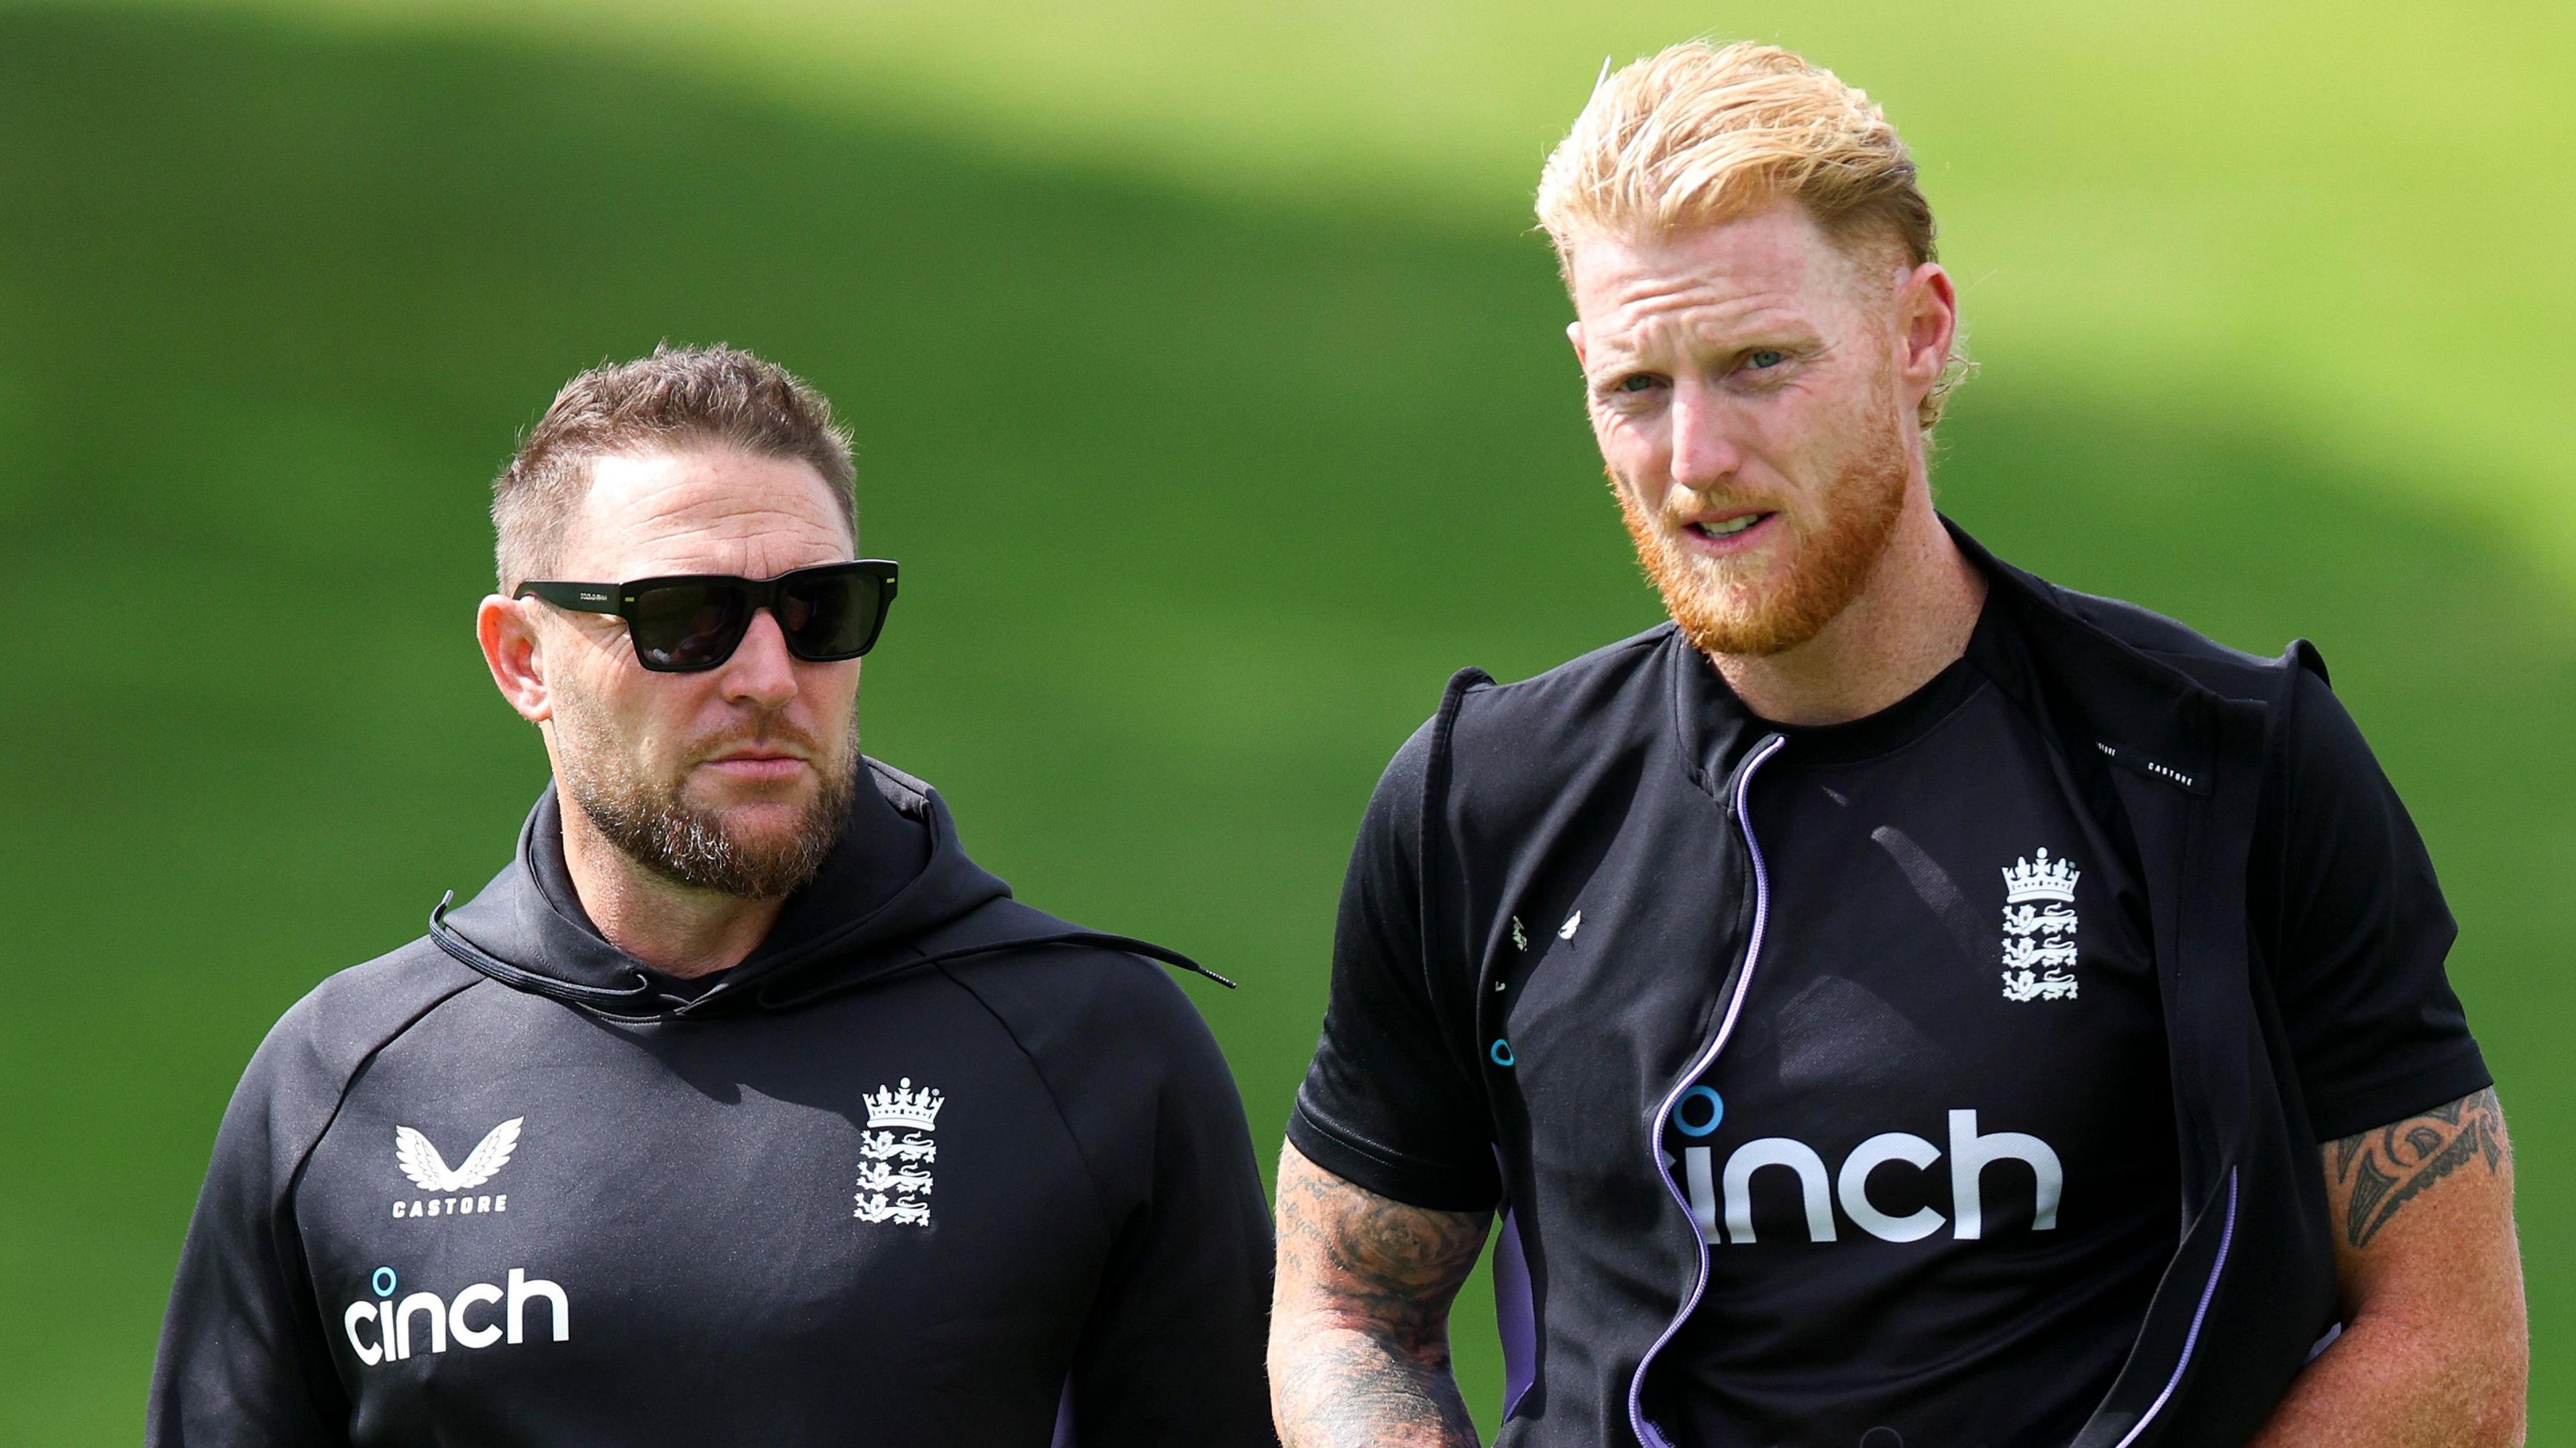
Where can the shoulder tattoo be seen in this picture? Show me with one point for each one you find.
(2383, 1169)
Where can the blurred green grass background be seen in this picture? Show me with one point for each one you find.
(1213, 394)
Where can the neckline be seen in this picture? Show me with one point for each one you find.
(1898, 725)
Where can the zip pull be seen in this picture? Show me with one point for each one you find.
(1732, 796)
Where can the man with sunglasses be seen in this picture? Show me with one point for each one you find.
(774, 1118)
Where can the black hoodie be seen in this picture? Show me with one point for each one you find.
(929, 1167)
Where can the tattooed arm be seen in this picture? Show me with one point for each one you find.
(1359, 1330)
(2435, 1351)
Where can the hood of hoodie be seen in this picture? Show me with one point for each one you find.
(898, 892)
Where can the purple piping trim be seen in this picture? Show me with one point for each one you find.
(1645, 1431)
(1515, 1314)
(1064, 1417)
(2191, 1339)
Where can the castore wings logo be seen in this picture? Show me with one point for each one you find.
(429, 1171)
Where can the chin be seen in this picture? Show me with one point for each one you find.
(1738, 606)
(1744, 630)
(763, 819)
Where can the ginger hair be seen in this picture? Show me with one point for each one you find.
(1701, 134)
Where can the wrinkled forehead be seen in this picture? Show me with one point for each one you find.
(702, 510)
(1759, 270)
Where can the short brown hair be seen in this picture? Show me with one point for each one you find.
(1701, 134)
(674, 399)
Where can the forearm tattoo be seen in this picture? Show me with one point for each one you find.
(2380, 1171)
(1360, 1338)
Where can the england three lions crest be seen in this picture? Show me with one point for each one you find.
(2039, 929)
(896, 1154)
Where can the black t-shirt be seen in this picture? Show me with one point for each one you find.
(1936, 1162)
(1883, 1012)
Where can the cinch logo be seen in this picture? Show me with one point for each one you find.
(1971, 1152)
(381, 1331)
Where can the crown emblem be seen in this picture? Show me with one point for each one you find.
(904, 1106)
(2040, 879)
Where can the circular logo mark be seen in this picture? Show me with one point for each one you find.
(1715, 1111)
(383, 1281)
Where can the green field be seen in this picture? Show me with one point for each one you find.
(1213, 395)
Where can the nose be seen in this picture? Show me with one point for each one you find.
(1704, 455)
(761, 670)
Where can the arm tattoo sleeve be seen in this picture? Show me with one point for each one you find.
(2381, 1170)
(1359, 1349)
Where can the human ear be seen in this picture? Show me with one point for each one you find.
(514, 654)
(1928, 308)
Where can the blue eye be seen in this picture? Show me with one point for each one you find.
(1766, 357)
(1636, 382)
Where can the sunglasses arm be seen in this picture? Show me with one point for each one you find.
(580, 597)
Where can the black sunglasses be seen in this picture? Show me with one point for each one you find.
(689, 622)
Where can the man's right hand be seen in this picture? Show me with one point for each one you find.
(1359, 1328)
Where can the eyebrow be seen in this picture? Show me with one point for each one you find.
(1668, 336)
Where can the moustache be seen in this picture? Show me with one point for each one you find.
(771, 732)
(1682, 507)
(1679, 503)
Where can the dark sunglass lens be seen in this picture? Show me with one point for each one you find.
(830, 615)
(686, 625)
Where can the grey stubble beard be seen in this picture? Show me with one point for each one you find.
(648, 821)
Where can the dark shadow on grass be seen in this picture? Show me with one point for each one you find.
(1197, 507)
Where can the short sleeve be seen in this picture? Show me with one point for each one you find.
(1388, 1104)
(2355, 929)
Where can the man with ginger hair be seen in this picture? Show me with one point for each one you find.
(1899, 1001)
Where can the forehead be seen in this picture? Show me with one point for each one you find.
(1768, 267)
(702, 510)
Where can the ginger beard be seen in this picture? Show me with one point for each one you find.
(653, 822)
(1780, 599)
